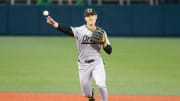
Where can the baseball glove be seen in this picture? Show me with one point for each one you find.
(98, 36)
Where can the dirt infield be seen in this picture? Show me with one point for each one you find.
(79, 97)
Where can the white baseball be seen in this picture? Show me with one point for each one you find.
(45, 13)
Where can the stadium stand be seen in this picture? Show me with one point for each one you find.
(98, 2)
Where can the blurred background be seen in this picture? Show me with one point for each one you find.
(144, 34)
(118, 17)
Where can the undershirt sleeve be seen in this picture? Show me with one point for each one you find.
(66, 30)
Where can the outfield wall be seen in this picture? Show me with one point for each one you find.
(135, 20)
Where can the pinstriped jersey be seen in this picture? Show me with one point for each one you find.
(86, 49)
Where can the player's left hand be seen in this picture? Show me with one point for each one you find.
(98, 36)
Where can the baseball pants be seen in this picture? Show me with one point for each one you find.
(93, 71)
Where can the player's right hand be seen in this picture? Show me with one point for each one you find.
(52, 22)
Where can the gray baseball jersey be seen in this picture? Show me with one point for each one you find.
(86, 50)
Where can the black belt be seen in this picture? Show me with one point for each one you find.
(88, 60)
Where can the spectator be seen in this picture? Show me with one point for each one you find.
(43, 2)
(79, 2)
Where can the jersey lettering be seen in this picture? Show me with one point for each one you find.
(85, 40)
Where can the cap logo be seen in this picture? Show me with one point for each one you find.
(89, 10)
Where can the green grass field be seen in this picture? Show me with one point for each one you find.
(142, 66)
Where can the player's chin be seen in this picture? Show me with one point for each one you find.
(91, 23)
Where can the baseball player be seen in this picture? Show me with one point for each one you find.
(89, 40)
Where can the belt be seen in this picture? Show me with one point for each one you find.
(88, 60)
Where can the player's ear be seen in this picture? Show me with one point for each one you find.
(96, 16)
(85, 19)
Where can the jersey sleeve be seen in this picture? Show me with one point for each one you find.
(107, 40)
(74, 30)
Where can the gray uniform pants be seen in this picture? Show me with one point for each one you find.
(93, 71)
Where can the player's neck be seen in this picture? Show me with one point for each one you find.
(91, 27)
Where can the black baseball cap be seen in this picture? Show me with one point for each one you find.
(89, 11)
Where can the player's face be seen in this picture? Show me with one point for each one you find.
(91, 19)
